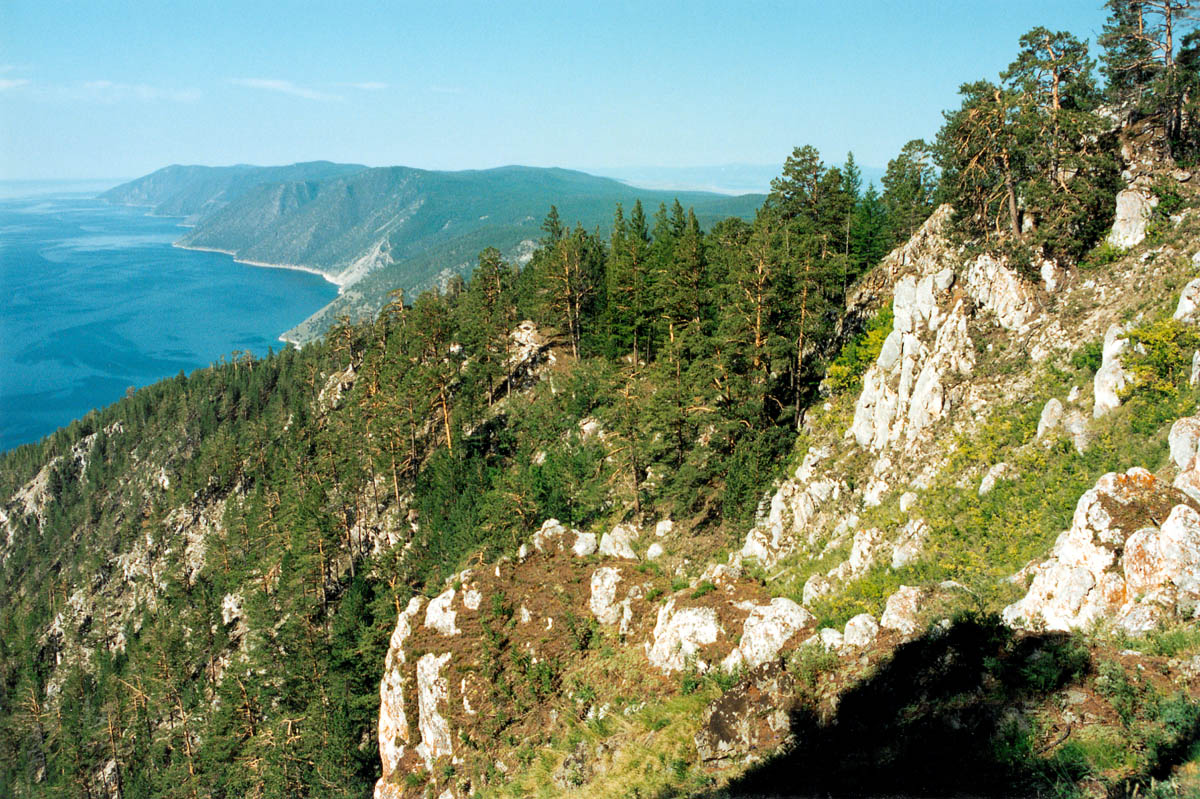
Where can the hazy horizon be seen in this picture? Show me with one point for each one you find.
(466, 85)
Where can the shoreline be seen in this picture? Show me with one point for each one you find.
(341, 284)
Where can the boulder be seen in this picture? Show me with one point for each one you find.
(655, 551)
(1184, 440)
(766, 631)
(1188, 309)
(1000, 471)
(910, 544)
(907, 500)
(1194, 378)
(1051, 417)
(1131, 555)
(585, 544)
(815, 587)
(618, 543)
(751, 718)
(663, 528)
(867, 544)
(1156, 557)
(831, 639)
(439, 616)
(1111, 377)
(1188, 480)
(603, 602)
(1133, 214)
(550, 537)
(679, 635)
(901, 612)
(860, 631)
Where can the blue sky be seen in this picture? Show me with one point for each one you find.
(111, 89)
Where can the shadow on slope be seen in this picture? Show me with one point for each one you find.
(950, 714)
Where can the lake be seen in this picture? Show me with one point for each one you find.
(95, 300)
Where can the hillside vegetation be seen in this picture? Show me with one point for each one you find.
(374, 231)
(871, 493)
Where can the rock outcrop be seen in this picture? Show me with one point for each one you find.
(679, 636)
(1131, 555)
(1111, 377)
(1134, 206)
(750, 718)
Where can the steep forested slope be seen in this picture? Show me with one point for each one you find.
(194, 192)
(761, 509)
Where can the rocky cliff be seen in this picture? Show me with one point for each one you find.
(985, 464)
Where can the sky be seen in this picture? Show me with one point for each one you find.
(105, 89)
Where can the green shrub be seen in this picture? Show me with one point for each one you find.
(1102, 254)
(1088, 357)
(1160, 357)
(844, 375)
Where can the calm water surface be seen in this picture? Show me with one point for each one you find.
(95, 300)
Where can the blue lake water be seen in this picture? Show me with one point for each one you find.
(95, 300)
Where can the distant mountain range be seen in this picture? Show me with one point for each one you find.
(373, 230)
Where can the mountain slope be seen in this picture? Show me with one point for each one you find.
(194, 192)
(376, 230)
(414, 560)
(400, 228)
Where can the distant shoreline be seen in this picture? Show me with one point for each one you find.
(294, 267)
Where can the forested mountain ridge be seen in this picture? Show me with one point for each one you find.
(373, 231)
(193, 192)
(875, 493)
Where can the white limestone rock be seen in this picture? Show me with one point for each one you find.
(901, 611)
(231, 608)
(1000, 289)
(1076, 425)
(618, 543)
(663, 528)
(549, 538)
(627, 620)
(1133, 215)
(1188, 309)
(766, 631)
(655, 551)
(999, 471)
(439, 615)
(1100, 568)
(1157, 557)
(831, 639)
(907, 500)
(910, 543)
(1111, 377)
(1188, 480)
(585, 544)
(603, 602)
(393, 732)
(679, 635)
(1051, 418)
(860, 631)
(815, 587)
(436, 740)
(903, 391)
(1184, 440)
(867, 545)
